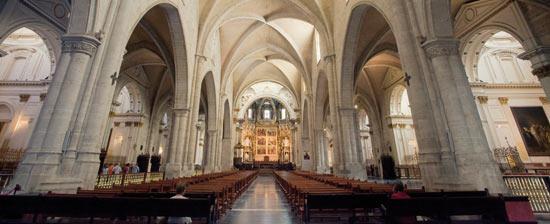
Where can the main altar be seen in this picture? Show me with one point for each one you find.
(266, 135)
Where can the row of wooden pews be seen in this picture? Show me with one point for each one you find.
(321, 198)
(210, 196)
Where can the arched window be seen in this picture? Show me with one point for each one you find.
(28, 58)
(283, 114)
(128, 100)
(267, 114)
(492, 57)
(399, 103)
(250, 113)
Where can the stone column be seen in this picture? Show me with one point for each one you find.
(294, 149)
(491, 125)
(210, 151)
(322, 163)
(350, 142)
(87, 162)
(226, 154)
(42, 160)
(470, 164)
(540, 62)
(176, 153)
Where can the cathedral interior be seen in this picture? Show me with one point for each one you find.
(440, 95)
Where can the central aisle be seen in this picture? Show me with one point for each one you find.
(262, 202)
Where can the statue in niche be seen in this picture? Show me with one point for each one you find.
(246, 156)
(306, 156)
(286, 158)
(286, 142)
(246, 141)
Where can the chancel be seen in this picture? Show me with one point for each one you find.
(275, 111)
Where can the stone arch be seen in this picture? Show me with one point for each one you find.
(248, 96)
(208, 88)
(471, 50)
(351, 60)
(322, 97)
(50, 39)
(398, 97)
(131, 91)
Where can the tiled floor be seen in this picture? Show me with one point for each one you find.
(263, 202)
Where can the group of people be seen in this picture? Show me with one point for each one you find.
(111, 169)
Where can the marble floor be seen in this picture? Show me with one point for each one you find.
(262, 202)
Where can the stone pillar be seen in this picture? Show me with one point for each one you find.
(176, 153)
(294, 149)
(226, 154)
(322, 163)
(42, 160)
(493, 137)
(210, 151)
(540, 62)
(470, 163)
(87, 161)
(353, 167)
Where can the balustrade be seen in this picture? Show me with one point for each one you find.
(118, 180)
(536, 187)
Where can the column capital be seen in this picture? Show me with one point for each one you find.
(503, 100)
(441, 47)
(79, 43)
(542, 72)
(483, 99)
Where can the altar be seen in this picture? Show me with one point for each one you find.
(266, 135)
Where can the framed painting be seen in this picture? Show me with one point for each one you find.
(534, 128)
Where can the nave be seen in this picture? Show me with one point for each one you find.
(263, 202)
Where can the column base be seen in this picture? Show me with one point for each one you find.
(172, 170)
(60, 185)
(31, 173)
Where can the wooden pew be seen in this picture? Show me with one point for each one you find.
(342, 207)
(315, 199)
(44, 206)
(484, 209)
(221, 188)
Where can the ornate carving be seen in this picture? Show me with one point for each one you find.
(3, 53)
(24, 97)
(42, 97)
(482, 99)
(527, 55)
(80, 43)
(441, 47)
(542, 72)
(544, 100)
(503, 100)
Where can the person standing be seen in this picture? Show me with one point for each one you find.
(135, 168)
(117, 169)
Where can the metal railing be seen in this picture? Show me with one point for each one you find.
(118, 180)
(536, 187)
(408, 172)
(5, 180)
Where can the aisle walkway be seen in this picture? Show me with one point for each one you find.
(263, 202)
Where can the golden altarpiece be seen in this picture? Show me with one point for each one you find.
(266, 133)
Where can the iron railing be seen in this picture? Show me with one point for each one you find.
(536, 187)
(118, 180)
